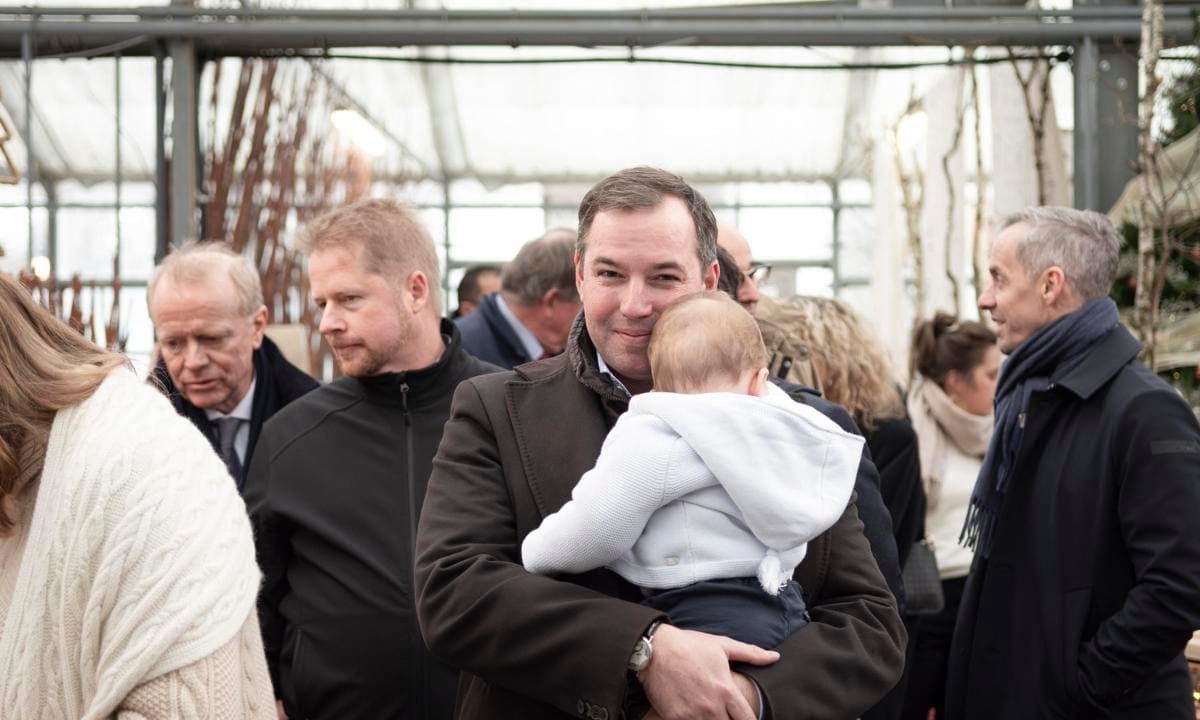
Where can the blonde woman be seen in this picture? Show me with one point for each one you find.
(127, 575)
(822, 343)
(836, 353)
(955, 367)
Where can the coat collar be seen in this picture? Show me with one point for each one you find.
(582, 408)
(421, 386)
(502, 330)
(1102, 361)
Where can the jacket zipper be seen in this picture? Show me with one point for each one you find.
(408, 459)
(421, 694)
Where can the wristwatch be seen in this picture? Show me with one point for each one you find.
(643, 650)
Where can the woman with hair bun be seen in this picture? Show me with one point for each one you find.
(955, 365)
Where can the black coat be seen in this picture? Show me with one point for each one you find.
(893, 446)
(876, 520)
(278, 383)
(487, 335)
(536, 648)
(894, 449)
(1092, 588)
(334, 494)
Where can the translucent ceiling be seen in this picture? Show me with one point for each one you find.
(502, 123)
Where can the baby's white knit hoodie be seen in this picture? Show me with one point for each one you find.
(700, 487)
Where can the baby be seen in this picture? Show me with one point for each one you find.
(707, 490)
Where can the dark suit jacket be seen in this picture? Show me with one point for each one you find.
(487, 335)
(1092, 588)
(533, 647)
(278, 383)
(872, 506)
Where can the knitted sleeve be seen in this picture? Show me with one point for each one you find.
(610, 504)
(231, 683)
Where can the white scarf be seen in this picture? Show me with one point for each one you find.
(936, 419)
(139, 559)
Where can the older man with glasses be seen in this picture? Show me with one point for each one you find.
(753, 274)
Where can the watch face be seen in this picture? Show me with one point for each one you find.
(641, 656)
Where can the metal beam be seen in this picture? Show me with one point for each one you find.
(118, 169)
(52, 224)
(251, 33)
(1086, 62)
(183, 9)
(30, 158)
(1116, 145)
(1106, 97)
(183, 141)
(162, 234)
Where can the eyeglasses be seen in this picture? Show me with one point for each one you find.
(759, 272)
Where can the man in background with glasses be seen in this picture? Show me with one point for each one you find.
(753, 274)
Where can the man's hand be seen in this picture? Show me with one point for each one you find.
(745, 684)
(689, 676)
(279, 711)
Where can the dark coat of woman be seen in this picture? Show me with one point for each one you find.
(893, 447)
(1091, 589)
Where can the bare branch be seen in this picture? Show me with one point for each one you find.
(952, 221)
(1035, 114)
(1146, 297)
(980, 194)
(911, 191)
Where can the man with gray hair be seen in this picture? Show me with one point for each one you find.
(215, 363)
(1085, 586)
(531, 315)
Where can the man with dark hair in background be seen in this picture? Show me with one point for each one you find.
(530, 316)
(751, 274)
(477, 281)
(880, 521)
(541, 648)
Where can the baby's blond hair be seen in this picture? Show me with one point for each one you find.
(703, 342)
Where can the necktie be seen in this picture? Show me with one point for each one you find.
(227, 430)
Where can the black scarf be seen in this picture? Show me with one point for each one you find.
(1044, 358)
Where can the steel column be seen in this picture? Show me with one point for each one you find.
(1086, 67)
(31, 164)
(118, 174)
(183, 141)
(1106, 99)
(162, 236)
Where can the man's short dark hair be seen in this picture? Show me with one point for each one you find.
(540, 266)
(468, 287)
(644, 188)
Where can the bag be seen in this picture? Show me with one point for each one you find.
(922, 586)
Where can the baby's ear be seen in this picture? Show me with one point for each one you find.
(758, 383)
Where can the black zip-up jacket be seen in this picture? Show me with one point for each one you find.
(872, 510)
(334, 493)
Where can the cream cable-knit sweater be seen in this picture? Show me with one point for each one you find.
(698, 487)
(138, 564)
